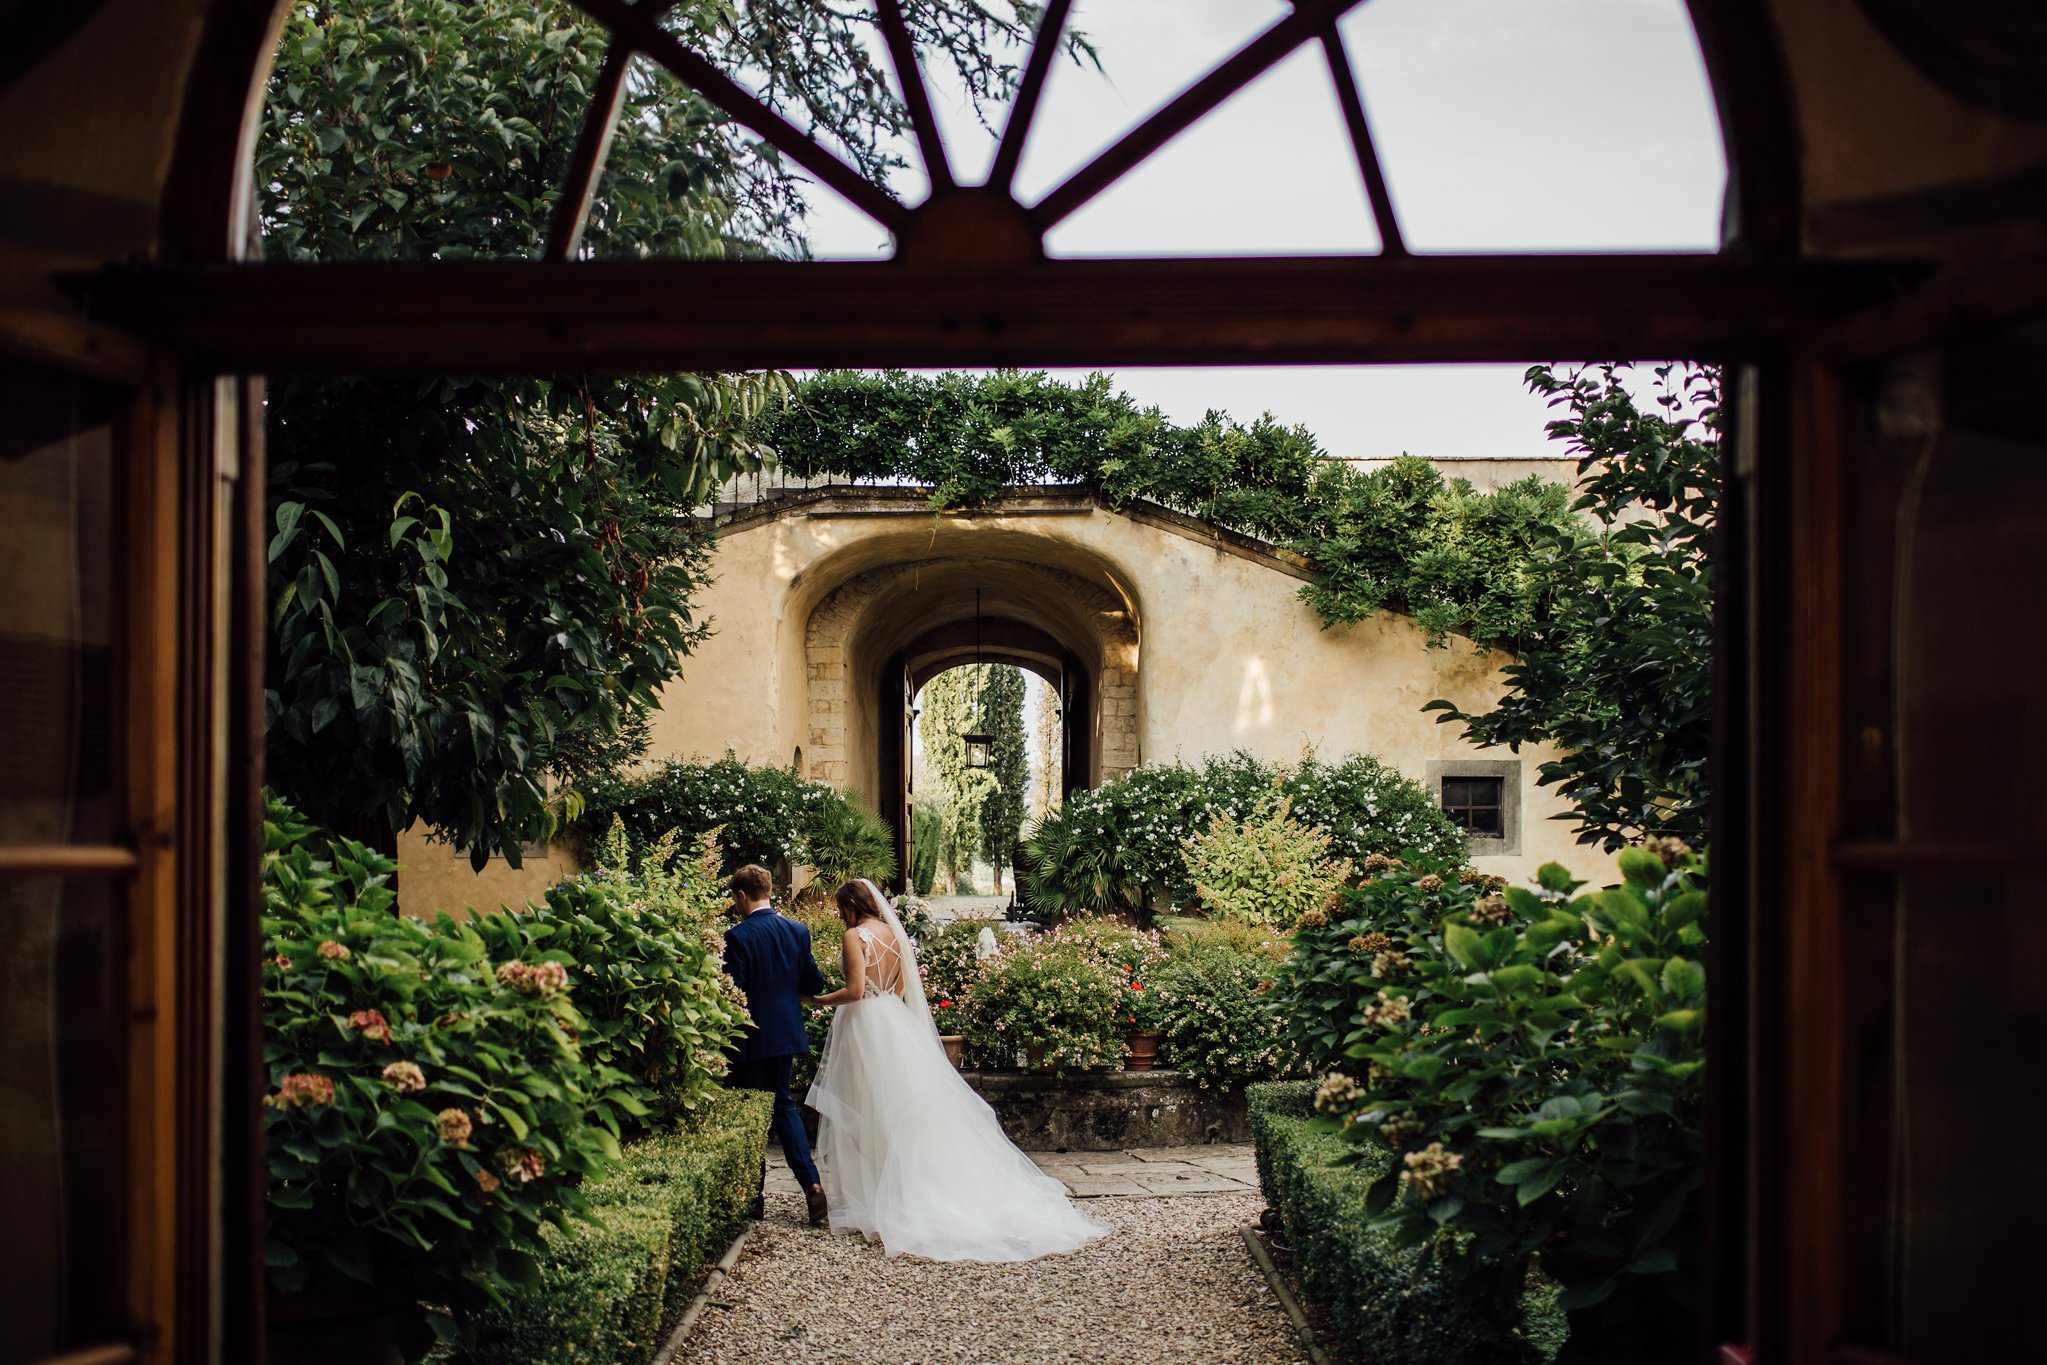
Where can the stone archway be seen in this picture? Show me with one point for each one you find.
(875, 638)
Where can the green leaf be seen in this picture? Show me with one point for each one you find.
(1464, 944)
(1642, 868)
(1553, 877)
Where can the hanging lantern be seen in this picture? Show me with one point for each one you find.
(980, 749)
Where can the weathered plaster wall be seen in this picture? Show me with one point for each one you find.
(433, 877)
(1229, 657)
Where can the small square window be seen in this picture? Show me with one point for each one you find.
(1478, 804)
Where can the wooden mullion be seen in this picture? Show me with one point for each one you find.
(902, 51)
(593, 144)
(67, 860)
(1024, 109)
(150, 633)
(1369, 167)
(639, 29)
(1904, 857)
(73, 345)
(1235, 72)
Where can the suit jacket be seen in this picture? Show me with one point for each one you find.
(769, 955)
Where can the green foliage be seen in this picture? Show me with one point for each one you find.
(429, 1109)
(1047, 1004)
(763, 815)
(604, 1289)
(1400, 538)
(843, 840)
(1538, 1059)
(479, 585)
(1618, 672)
(1118, 848)
(1387, 1302)
(927, 834)
(980, 810)
(1209, 997)
(950, 963)
(1266, 868)
(649, 980)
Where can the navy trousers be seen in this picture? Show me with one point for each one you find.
(772, 1075)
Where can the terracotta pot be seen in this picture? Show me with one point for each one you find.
(1143, 1050)
(332, 1329)
(954, 1044)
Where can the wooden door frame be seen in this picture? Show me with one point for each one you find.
(1794, 320)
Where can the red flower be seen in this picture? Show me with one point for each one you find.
(1136, 986)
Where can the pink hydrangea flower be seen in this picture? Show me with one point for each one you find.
(454, 1127)
(302, 1090)
(405, 1077)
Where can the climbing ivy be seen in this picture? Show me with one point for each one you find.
(1401, 538)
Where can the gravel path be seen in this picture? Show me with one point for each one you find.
(1172, 1283)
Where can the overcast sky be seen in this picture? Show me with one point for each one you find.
(1563, 125)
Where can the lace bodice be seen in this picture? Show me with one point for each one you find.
(884, 963)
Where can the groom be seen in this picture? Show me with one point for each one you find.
(769, 956)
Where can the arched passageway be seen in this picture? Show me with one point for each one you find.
(879, 636)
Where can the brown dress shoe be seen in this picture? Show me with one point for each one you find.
(819, 1208)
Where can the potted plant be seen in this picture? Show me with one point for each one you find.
(1144, 1025)
(1048, 1007)
(945, 1012)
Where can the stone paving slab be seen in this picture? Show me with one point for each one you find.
(1148, 1173)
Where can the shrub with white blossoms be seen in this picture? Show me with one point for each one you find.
(1118, 848)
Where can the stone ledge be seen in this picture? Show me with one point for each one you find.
(1110, 1111)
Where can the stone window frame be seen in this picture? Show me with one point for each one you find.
(1508, 770)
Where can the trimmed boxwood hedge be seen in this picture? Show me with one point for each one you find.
(1388, 1305)
(604, 1291)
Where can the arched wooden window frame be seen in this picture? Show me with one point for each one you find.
(971, 285)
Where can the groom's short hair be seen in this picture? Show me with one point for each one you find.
(753, 882)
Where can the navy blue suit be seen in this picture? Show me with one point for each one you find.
(769, 956)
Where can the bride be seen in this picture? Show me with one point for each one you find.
(911, 1156)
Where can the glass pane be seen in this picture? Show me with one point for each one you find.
(63, 1114)
(1506, 126)
(1971, 593)
(59, 729)
(1946, 1189)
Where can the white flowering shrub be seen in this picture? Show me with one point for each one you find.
(1119, 847)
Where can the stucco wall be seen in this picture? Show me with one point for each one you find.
(1227, 656)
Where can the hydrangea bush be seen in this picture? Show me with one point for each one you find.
(1120, 848)
(1535, 1060)
(659, 1009)
(429, 1105)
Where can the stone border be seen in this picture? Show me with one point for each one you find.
(712, 1279)
(1281, 1290)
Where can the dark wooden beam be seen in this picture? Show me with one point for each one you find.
(1016, 132)
(1362, 144)
(652, 315)
(593, 143)
(902, 51)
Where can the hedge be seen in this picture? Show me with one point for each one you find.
(604, 1292)
(1387, 1305)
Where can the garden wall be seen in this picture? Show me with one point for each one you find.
(1110, 1111)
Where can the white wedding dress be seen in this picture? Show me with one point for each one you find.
(909, 1154)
